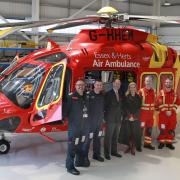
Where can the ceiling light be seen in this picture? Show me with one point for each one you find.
(167, 4)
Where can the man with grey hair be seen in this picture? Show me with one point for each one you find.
(113, 114)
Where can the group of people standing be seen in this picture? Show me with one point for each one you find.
(86, 112)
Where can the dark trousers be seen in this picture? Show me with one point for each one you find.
(96, 144)
(72, 151)
(133, 133)
(111, 138)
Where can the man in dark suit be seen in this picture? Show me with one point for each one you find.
(113, 114)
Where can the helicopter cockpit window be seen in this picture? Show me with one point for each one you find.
(21, 85)
(51, 89)
(52, 58)
(154, 78)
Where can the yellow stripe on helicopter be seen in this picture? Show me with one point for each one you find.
(159, 55)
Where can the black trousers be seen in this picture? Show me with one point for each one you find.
(73, 150)
(111, 138)
(133, 133)
(96, 144)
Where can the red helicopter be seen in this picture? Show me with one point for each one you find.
(33, 88)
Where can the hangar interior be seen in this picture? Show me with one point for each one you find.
(31, 157)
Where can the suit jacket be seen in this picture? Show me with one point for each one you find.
(113, 108)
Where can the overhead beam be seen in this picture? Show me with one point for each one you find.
(156, 11)
(35, 17)
(105, 3)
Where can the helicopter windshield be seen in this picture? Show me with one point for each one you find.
(21, 85)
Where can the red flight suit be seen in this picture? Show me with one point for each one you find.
(147, 112)
(167, 101)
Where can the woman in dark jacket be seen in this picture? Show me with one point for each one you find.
(132, 105)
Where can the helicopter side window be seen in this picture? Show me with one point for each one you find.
(154, 78)
(163, 77)
(51, 89)
(52, 58)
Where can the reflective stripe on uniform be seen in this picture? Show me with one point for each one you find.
(143, 97)
(163, 96)
(148, 138)
(168, 107)
(147, 142)
(148, 108)
(169, 140)
(144, 105)
(162, 140)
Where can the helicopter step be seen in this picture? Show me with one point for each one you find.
(4, 144)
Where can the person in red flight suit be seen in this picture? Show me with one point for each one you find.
(147, 110)
(167, 103)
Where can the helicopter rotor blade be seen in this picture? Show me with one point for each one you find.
(158, 19)
(62, 23)
(79, 22)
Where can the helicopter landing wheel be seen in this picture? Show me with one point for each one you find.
(4, 146)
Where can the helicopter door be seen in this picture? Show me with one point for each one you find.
(48, 106)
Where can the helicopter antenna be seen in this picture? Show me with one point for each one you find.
(69, 47)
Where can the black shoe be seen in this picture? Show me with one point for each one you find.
(107, 157)
(73, 171)
(78, 164)
(98, 158)
(116, 154)
(170, 146)
(149, 146)
(139, 149)
(161, 145)
(86, 162)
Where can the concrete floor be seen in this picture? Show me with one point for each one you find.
(32, 158)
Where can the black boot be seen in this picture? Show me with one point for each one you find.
(139, 149)
(79, 162)
(98, 158)
(170, 146)
(161, 145)
(86, 162)
(149, 146)
(73, 171)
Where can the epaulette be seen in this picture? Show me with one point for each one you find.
(70, 94)
(87, 92)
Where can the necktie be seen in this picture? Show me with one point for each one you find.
(117, 95)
